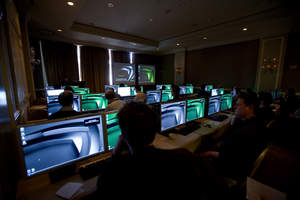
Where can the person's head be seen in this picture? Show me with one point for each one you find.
(140, 97)
(122, 85)
(291, 92)
(163, 87)
(69, 88)
(137, 88)
(265, 99)
(175, 91)
(110, 94)
(66, 98)
(138, 124)
(245, 106)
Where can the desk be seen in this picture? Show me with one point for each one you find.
(195, 139)
(39, 187)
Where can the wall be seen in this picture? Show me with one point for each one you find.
(165, 69)
(226, 66)
(291, 68)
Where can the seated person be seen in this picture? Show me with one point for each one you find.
(66, 101)
(265, 113)
(242, 144)
(140, 97)
(114, 103)
(202, 92)
(69, 88)
(175, 92)
(137, 168)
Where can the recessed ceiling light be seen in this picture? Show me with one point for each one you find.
(70, 3)
(59, 30)
(177, 44)
(102, 38)
(134, 44)
(110, 5)
(245, 29)
(150, 19)
(204, 38)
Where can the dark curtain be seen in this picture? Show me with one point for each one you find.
(60, 62)
(120, 57)
(94, 67)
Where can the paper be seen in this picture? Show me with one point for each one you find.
(259, 191)
(68, 190)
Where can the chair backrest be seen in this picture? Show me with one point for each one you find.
(278, 167)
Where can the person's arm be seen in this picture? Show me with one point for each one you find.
(210, 154)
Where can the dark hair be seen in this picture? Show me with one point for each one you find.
(65, 98)
(110, 94)
(176, 90)
(249, 99)
(137, 88)
(266, 98)
(138, 123)
(69, 88)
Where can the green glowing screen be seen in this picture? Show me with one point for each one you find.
(93, 102)
(146, 74)
(189, 89)
(226, 102)
(195, 109)
(166, 95)
(113, 129)
(81, 90)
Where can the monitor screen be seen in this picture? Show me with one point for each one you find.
(167, 87)
(166, 95)
(81, 90)
(226, 102)
(54, 143)
(153, 96)
(124, 91)
(182, 90)
(115, 87)
(172, 114)
(123, 73)
(54, 106)
(208, 88)
(189, 89)
(51, 93)
(220, 91)
(93, 102)
(132, 91)
(113, 129)
(195, 109)
(146, 74)
(214, 105)
(214, 92)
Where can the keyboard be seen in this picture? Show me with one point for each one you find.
(93, 169)
(218, 118)
(188, 129)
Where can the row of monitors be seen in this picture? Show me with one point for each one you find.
(87, 135)
(177, 113)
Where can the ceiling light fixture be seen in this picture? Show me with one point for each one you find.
(70, 3)
(177, 44)
(134, 44)
(150, 20)
(204, 38)
(59, 30)
(110, 5)
(245, 29)
(102, 38)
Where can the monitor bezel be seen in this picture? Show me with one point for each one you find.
(54, 168)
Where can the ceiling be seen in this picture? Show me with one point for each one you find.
(159, 26)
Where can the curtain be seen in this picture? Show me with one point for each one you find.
(94, 67)
(60, 62)
(120, 56)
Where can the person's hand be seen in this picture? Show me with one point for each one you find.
(209, 154)
(120, 147)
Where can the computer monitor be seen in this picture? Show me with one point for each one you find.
(186, 90)
(132, 91)
(51, 93)
(146, 74)
(167, 87)
(220, 91)
(113, 129)
(195, 109)
(124, 91)
(166, 95)
(115, 87)
(214, 92)
(81, 90)
(214, 105)
(182, 90)
(172, 114)
(53, 105)
(226, 102)
(208, 88)
(93, 102)
(153, 96)
(54, 143)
